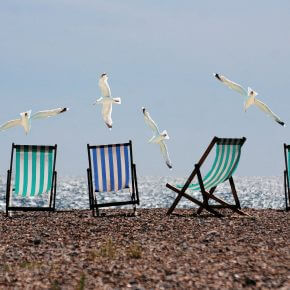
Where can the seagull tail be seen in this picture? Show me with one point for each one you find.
(151, 139)
(249, 102)
(98, 101)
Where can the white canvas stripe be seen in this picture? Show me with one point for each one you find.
(21, 174)
(116, 177)
(237, 153)
(123, 168)
(100, 176)
(107, 165)
(93, 170)
(29, 175)
(45, 180)
(230, 149)
(37, 179)
(214, 172)
(211, 184)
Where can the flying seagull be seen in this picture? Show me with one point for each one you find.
(25, 119)
(106, 100)
(158, 138)
(251, 97)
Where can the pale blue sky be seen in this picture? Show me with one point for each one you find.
(158, 54)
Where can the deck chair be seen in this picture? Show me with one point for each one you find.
(35, 176)
(110, 169)
(227, 157)
(287, 176)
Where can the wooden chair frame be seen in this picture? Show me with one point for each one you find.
(51, 206)
(286, 179)
(94, 205)
(206, 194)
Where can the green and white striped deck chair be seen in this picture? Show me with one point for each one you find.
(34, 176)
(287, 176)
(226, 160)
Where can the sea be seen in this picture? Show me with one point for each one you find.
(72, 193)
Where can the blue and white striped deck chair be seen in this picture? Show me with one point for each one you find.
(34, 176)
(111, 169)
(287, 176)
(226, 160)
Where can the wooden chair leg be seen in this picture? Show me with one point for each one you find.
(234, 192)
(176, 201)
(211, 191)
(183, 194)
(227, 205)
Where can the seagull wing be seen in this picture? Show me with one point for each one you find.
(10, 124)
(165, 154)
(48, 113)
(148, 120)
(267, 110)
(104, 86)
(232, 85)
(106, 113)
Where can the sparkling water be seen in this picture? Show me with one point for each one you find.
(72, 193)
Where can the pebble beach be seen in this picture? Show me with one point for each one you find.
(73, 250)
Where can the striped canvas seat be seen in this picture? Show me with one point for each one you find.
(228, 152)
(33, 170)
(34, 176)
(111, 169)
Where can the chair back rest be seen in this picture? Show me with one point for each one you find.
(228, 152)
(110, 166)
(34, 166)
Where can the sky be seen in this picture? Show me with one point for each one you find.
(157, 54)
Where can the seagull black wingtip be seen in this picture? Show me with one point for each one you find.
(169, 166)
(63, 110)
(217, 76)
(282, 124)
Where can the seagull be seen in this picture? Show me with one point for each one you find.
(251, 97)
(106, 100)
(158, 138)
(25, 119)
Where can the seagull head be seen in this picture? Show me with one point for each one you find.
(164, 135)
(252, 93)
(25, 115)
(104, 76)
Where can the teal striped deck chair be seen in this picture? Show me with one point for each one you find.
(287, 176)
(31, 175)
(226, 160)
(111, 169)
